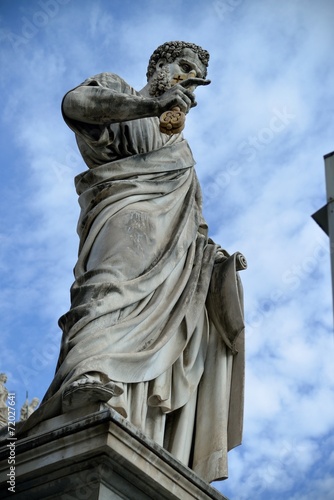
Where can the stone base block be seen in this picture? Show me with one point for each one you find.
(99, 456)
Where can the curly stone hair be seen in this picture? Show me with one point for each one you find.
(171, 50)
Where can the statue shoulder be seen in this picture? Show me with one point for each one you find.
(107, 80)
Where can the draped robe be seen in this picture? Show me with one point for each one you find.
(156, 305)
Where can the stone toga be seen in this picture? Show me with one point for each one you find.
(143, 311)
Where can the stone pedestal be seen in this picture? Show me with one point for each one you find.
(96, 456)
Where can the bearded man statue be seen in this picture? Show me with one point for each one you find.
(155, 329)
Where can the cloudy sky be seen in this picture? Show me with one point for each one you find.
(259, 134)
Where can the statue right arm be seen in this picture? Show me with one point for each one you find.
(99, 105)
(95, 104)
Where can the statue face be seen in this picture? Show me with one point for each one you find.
(166, 75)
(187, 65)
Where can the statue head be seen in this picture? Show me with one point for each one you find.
(169, 51)
(173, 60)
(3, 377)
(34, 403)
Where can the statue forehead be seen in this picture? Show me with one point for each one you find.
(191, 56)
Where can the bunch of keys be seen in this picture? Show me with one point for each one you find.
(172, 121)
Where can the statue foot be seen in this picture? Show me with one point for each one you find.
(85, 391)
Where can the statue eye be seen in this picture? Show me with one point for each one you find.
(186, 68)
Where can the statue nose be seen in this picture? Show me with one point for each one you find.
(178, 78)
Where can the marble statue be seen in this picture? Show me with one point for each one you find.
(28, 409)
(3, 400)
(155, 329)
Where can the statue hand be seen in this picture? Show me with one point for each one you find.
(176, 96)
(178, 100)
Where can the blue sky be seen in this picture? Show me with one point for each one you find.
(259, 134)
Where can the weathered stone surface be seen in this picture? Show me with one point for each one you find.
(156, 326)
(97, 456)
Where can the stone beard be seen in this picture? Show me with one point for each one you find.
(160, 82)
